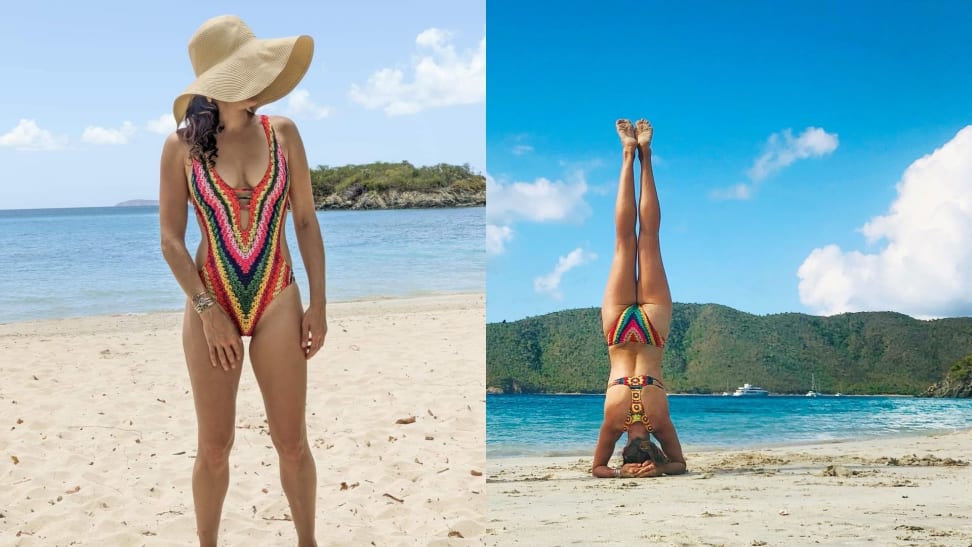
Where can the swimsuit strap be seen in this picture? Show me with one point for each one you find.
(636, 412)
(637, 381)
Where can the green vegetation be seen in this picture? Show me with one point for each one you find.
(711, 346)
(957, 381)
(352, 180)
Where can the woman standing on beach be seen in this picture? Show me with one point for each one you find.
(636, 315)
(241, 171)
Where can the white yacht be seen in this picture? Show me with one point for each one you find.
(749, 390)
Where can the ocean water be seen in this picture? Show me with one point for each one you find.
(91, 261)
(567, 425)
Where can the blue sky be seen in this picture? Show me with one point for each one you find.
(810, 156)
(88, 91)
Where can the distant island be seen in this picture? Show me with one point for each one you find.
(383, 185)
(713, 348)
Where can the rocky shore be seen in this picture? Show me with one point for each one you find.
(358, 199)
(957, 383)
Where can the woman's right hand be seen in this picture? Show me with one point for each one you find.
(638, 470)
(225, 343)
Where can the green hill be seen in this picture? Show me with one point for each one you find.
(382, 185)
(711, 346)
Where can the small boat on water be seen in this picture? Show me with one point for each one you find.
(749, 390)
(812, 392)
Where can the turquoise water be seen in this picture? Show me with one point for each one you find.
(567, 425)
(90, 261)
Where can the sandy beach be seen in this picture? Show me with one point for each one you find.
(97, 432)
(899, 491)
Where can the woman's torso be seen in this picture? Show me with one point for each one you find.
(635, 358)
(236, 167)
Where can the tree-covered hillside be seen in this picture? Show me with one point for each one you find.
(712, 346)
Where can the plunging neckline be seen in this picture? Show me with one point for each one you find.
(264, 122)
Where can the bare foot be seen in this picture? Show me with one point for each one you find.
(627, 134)
(644, 132)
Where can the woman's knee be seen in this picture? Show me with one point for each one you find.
(215, 451)
(291, 448)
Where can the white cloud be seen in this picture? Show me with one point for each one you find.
(440, 77)
(300, 102)
(542, 200)
(925, 266)
(164, 125)
(521, 149)
(102, 135)
(496, 238)
(27, 136)
(781, 150)
(550, 283)
(739, 191)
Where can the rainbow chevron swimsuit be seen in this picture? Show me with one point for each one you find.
(636, 412)
(633, 325)
(245, 267)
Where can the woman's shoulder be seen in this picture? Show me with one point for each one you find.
(176, 145)
(282, 123)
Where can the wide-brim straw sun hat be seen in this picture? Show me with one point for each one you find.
(232, 64)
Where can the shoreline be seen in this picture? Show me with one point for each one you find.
(715, 394)
(357, 300)
(148, 205)
(889, 491)
(706, 449)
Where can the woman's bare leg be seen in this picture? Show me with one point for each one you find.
(653, 290)
(620, 291)
(214, 393)
(281, 371)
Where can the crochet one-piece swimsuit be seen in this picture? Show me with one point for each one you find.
(245, 267)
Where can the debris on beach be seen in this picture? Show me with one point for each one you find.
(784, 512)
(838, 471)
(929, 460)
(408, 420)
(387, 495)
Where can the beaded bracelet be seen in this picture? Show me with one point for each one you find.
(203, 301)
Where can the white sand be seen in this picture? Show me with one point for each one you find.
(780, 496)
(97, 432)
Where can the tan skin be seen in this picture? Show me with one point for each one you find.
(647, 286)
(284, 338)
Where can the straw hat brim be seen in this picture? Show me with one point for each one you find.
(263, 69)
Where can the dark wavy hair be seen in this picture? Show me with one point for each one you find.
(642, 449)
(202, 125)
